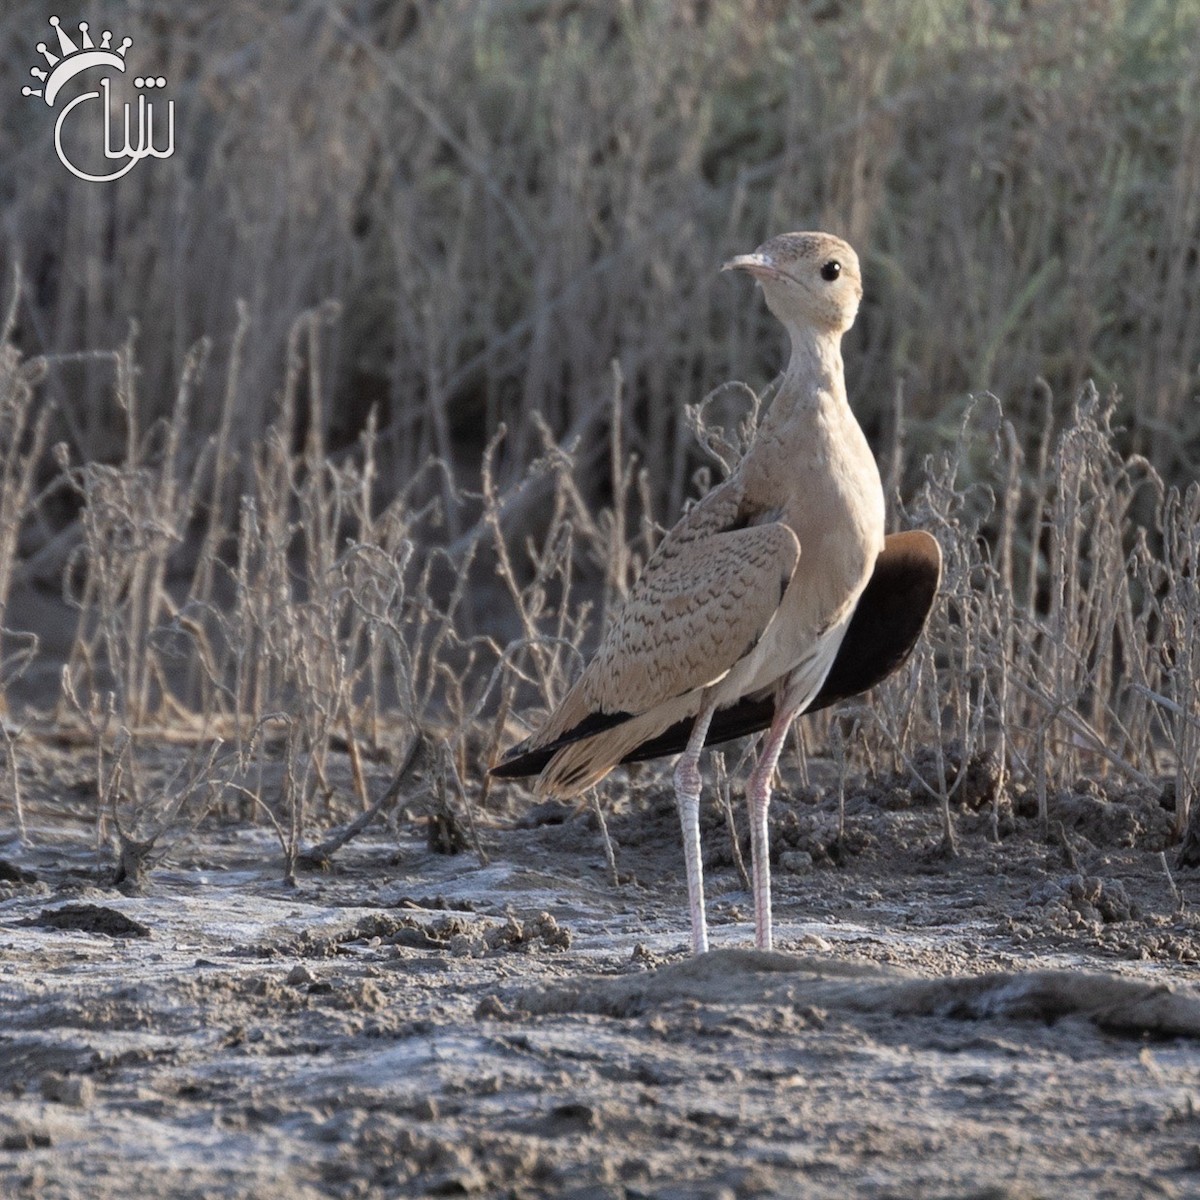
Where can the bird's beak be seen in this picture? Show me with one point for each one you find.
(757, 264)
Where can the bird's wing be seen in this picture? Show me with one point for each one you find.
(703, 599)
(701, 604)
(888, 620)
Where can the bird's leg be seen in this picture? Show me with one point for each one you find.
(687, 799)
(758, 799)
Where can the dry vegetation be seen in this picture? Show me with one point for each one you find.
(426, 291)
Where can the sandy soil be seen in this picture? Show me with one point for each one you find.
(1018, 1021)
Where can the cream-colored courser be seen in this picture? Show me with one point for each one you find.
(739, 620)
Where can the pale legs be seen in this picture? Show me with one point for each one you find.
(687, 800)
(758, 798)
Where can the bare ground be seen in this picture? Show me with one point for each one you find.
(1017, 1021)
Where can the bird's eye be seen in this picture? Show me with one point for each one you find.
(831, 270)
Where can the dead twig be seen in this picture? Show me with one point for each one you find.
(320, 856)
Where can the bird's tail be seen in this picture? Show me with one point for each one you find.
(581, 764)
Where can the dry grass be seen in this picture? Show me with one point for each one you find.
(506, 198)
(1062, 646)
(408, 383)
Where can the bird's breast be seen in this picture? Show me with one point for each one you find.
(835, 506)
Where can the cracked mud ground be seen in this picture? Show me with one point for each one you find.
(1021, 1020)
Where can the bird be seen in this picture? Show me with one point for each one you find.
(777, 593)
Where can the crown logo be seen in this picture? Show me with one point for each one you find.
(73, 58)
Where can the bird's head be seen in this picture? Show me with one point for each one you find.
(809, 279)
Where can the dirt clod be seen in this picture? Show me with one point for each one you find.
(91, 918)
(77, 1091)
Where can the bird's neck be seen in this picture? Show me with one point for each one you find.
(814, 379)
(816, 359)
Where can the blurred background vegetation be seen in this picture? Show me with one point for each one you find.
(505, 197)
(350, 423)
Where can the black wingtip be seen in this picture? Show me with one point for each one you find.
(520, 762)
(523, 760)
(889, 617)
